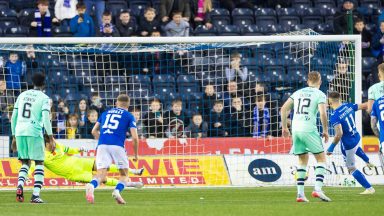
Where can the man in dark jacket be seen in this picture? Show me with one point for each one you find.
(167, 7)
(366, 37)
(125, 25)
(343, 20)
(378, 42)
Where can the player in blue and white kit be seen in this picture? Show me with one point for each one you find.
(343, 121)
(111, 129)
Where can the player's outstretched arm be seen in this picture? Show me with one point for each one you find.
(369, 105)
(336, 139)
(374, 126)
(324, 120)
(362, 106)
(285, 110)
(96, 131)
(135, 140)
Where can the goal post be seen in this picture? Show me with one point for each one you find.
(174, 152)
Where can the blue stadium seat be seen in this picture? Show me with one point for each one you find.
(289, 20)
(137, 7)
(370, 3)
(115, 79)
(371, 27)
(275, 72)
(4, 4)
(368, 64)
(266, 20)
(286, 12)
(229, 30)
(187, 84)
(21, 4)
(324, 28)
(195, 102)
(201, 30)
(140, 82)
(242, 16)
(265, 12)
(325, 3)
(312, 20)
(7, 24)
(116, 5)
(220, 16)
(62, 31)
(18, 31)
(251, 30)
(271, 29)
(301, 3)
(72, 97)
(297, 73)
(8, 15)
(24, 13)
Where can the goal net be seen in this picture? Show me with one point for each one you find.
(207, 108)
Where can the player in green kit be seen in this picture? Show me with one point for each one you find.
(376, 91)
(306, 104)
(30, 115)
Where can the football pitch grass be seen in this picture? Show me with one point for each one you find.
(198, 201)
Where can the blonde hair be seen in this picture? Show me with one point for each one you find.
(207, 5)
(381, 68)
(314, 77)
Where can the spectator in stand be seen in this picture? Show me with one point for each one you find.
(141, 129)
(5, 120)
(217, 120)
(232, 92)
(31, 61)
(82, 110)
(61, 118)
(366, 37)
(156, 34)
(176, 120)
(82, 24)
(99, 9)
(201, 12)
(240, 118)
(96, 103)
(125, 25)
(343, 20)
(378, 43)
(232, 4)
(107, 29)
(177, 27)
(41, 21)
(6, 97)
(342, 82)
(197, 128)
(261, 118)
(65, 10)
(168, 7)
(149, 23)
(86, 130)
(236, 72)
(14, 70)
(209, 98)
(153, 120)
(73, 131)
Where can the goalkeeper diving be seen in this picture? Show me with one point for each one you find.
(62, 163)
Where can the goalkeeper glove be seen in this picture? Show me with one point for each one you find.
(82, 149)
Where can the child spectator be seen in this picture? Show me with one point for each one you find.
(61, 118)
(175, 120)
(96, 103)
(217, 120)
(72, 126)
(153, 120)
(261, 118)
(99, 9)
(209, 98)
(149, 24)
(366, 37)
(125, 25)
(168, 7)
(236, 72)
(177, 27)
(232, 92)
(14, 69)
(86, 130)
(82, 24)
(240, 118)
(81, 110)
(107, 29)
(197, 128)
(156, 34)
(200, 12)
(65, 10)
(41, 21)
(141, 130)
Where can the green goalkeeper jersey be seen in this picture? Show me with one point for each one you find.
(31, 114)
(376, 91)
(305, 108)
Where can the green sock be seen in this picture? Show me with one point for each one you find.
(301, 172)
(320, 173)
(39, 179)
(23, 174)
(113, 169)
(111, 182)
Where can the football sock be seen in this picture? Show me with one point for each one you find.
(361, 179)
(95, 183)
(39, 180)
(23, 173)
(362, 155)
(320, 173)
(301, 172)
(120, 186)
